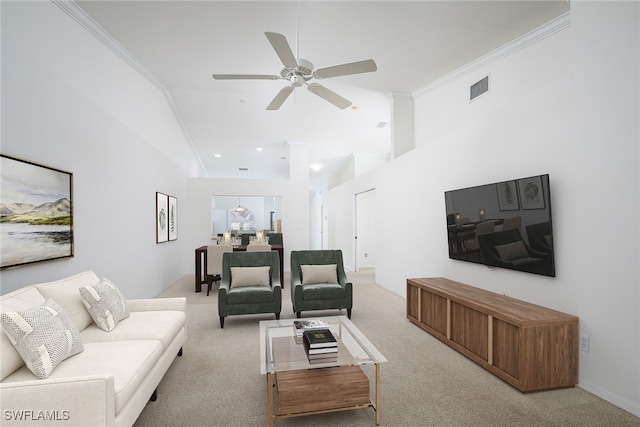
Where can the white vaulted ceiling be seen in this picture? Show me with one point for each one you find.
(182, 43)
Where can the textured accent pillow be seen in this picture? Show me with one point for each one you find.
(43, 336)
(105, 304)
(511, 251)
(325, 273)
(250, 276)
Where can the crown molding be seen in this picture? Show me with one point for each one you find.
(557, 24)
(72, 9)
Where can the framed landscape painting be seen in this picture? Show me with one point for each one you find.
(162, 206)
(36, 212)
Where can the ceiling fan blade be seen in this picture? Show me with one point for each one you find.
(245, 77)
(282, 48)
(329, 95)
(280, 98)
(359, 67)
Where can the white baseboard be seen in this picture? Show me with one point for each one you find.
(632, 408)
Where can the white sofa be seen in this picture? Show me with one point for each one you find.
(107, 384)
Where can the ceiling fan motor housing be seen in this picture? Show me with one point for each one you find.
(304, 70)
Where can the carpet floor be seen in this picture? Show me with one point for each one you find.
(217, 381)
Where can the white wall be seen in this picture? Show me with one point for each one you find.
(70, 103)
(568, 106)
(366, 229)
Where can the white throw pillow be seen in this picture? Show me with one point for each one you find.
(250, 276)
(43, 336)
(105, 304)
(511, 251)
(323, 273)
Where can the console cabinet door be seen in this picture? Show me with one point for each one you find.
(506, 347)
(434, 311)
(470, 329)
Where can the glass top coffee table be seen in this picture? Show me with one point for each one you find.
(297, 387)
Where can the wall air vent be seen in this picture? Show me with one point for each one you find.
(479, 88)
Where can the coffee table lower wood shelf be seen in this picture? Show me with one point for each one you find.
(297, 388)
(320, 391)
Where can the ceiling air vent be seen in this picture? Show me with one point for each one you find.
(479, 88)
(243, 169)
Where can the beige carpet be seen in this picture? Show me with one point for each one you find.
(217, 381)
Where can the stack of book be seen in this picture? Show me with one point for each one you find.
(320, 346)
(299, 326)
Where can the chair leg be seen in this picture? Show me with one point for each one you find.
(278, 316)
(349, 313)
(180, 352)
(154, 396)
(298, 314)
(221, 322)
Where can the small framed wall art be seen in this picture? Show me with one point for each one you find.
(507, 196)
(173, 218)
(531, 192)
(162, 207)
(36, 221)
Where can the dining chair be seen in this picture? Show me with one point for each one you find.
(258, 247)
(214, 263)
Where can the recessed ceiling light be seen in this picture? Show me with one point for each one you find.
(259, 149)
(217, 155)
(381, 125)
(315, 167)
(354, 107)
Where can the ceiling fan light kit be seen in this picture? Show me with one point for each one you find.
(298, 72)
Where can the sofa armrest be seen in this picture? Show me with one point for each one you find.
(158, 304)
(85, 401)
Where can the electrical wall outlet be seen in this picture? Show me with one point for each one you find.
(584, 343)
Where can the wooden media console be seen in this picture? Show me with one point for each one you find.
(533, 348)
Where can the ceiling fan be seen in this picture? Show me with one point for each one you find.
(299, 72)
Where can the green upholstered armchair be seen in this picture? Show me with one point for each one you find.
(318, 281)
(250, 284)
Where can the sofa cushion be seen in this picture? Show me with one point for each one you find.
(129, 362)
(321, 273)
(44, 336)
(105, 304)
(323, 291)
(143, 325)
(20, 299)
(65, 292)
(250, 276)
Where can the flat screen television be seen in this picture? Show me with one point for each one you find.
(505, 224)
